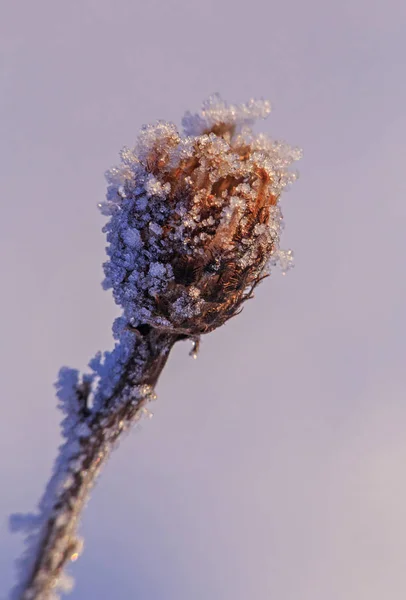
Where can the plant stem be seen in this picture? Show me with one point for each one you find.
(57, 542)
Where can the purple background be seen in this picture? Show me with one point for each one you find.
(275, 465)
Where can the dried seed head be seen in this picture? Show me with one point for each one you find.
(194, 218)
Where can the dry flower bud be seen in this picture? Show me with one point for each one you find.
(195, 218)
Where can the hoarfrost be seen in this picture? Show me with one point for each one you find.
(215, 110)
(160, 188)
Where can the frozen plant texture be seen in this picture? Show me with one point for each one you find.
(194, 218)
(193, 226)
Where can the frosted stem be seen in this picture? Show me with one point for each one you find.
(76, 471)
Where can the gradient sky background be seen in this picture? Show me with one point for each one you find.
(275, 465)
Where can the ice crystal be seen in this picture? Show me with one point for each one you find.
(216, 112)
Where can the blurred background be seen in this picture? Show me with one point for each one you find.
(275, 464)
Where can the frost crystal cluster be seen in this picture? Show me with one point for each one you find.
(194, 218)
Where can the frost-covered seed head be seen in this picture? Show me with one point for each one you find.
(195, 218)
